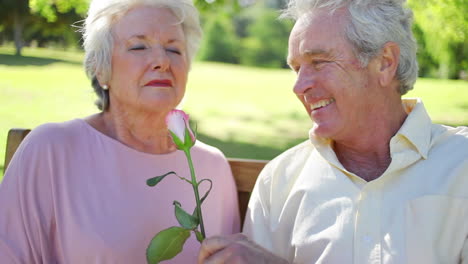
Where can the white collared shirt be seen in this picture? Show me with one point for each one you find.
(307, 208)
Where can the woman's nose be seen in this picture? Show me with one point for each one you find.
(160, 60)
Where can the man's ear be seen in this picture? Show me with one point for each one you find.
(388, 63)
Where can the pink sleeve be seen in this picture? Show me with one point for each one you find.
(25, 202)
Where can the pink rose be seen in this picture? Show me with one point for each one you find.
(169, 242)
(177, 122)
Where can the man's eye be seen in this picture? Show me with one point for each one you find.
(318, 62)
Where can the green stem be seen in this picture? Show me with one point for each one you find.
(195, 190)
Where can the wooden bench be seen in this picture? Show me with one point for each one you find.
(245, 171)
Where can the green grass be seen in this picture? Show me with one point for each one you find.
(445, 100)
(246, 112)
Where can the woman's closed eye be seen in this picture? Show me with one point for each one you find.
(173, 50)
(137, 47)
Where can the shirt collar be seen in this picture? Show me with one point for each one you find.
(416, 130)
(417, 126)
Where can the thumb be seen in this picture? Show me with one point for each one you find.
(210, 246)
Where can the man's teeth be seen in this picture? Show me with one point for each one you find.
(322, 103)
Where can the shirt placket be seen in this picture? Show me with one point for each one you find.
(367, 242)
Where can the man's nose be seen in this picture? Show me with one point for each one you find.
(305, 80)
(159, 59)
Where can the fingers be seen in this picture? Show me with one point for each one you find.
(218, 248)
(210, 246)
(220, 257)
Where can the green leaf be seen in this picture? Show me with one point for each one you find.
(166, 244)
(207, 192)
(188, 139)
(199, 236)
(195, 214)
(185, 220)
(153, 181)
(177, 141)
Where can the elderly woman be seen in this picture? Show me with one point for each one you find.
(75, 192)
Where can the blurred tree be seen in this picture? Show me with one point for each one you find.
(229, 7)
(220, 42)
(50, 8)
(444, 27)
(13, 15)
(267, 41)
(276, 4)
(427, 65)
(60, 33)
(16, 14)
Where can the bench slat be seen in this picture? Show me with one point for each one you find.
(14, 138)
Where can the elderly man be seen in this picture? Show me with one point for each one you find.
(377, 182)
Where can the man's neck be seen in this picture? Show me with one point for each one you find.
(368, 154)
(369, 165)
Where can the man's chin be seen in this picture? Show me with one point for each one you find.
(321, 131)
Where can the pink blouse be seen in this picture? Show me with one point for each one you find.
(74, 195)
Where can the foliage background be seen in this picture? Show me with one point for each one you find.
(246, 32)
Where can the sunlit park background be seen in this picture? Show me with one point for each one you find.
(239, 93)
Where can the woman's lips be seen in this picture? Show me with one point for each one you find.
(159, 83)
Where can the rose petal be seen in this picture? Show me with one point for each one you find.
(175, 121)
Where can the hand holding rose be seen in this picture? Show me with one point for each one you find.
(235, 249)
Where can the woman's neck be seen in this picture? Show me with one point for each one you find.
(143, 132)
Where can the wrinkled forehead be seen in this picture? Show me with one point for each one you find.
(317, 33)
(147, 20)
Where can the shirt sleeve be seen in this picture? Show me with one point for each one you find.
(26, 209)
(256, 225)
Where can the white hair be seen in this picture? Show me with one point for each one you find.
(98, 41)
(372, 23)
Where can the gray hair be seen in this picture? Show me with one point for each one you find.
(98, 40)
(372, 23)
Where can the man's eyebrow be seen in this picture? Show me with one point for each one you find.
(139, 36)
(316, 52)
